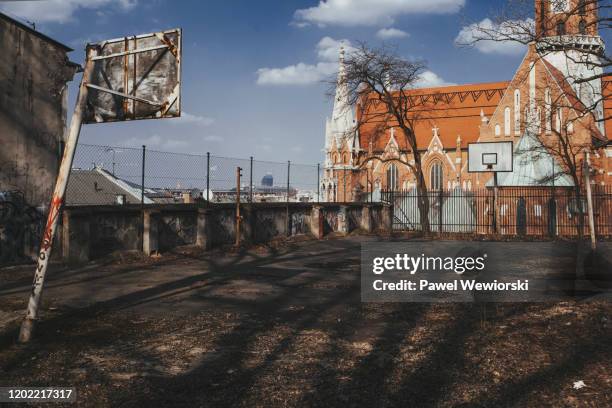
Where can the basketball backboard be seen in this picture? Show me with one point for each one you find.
(135, 77)
(490, 157)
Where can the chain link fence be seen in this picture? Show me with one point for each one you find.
(105, 175)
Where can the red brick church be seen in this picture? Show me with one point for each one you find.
(451, 117)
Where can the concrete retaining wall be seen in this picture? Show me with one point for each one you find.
(93, 232)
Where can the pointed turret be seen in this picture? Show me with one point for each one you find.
(341, 126)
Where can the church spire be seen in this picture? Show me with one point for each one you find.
(341, 126)
(341, 67)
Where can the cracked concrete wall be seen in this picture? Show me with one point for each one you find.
(116, 228)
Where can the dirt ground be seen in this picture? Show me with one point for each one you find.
(285, 326)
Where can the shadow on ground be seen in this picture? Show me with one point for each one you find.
(286, 327)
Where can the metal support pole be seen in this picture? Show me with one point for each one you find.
(238, 217)
(142, 181)
(318, 183)
(440, 214)
(288, 188)
(142, 188)
(288, 224)
(57, 201)
(587, 182)
(251, 182)
(495, 202)
(207, 178)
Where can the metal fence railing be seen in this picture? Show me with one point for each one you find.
(537, 211)
(103, 175)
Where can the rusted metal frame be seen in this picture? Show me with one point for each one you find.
(171, 46)
(126, 61)
(57, 201)
(130, 52)
(135, 57)
(124, 95)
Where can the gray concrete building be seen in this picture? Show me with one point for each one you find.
(34, 72)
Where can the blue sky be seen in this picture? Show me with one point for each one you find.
(252, 69)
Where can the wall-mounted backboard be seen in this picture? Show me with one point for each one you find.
(136, 77)
(490, 157)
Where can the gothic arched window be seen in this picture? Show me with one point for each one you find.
(560, 28)
(582, 27)
(517, 112)
(542, 17)
(559, 6)
(548, 102)
(507, 122)
(392, 177)
(582, 7)
(436, 177)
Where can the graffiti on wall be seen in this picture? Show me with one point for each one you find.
(21, 225)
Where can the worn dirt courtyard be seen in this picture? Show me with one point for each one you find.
(284, 326)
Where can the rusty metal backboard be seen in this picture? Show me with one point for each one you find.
(136, 77)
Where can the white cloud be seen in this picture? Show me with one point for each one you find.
(328, 49)
(59, 11)
(429, 79)
(188, 118)
(306, 74)
(488, 37)
(213, 138)
(298, 74)
(156, 142)
(389, 33)
(370, 12)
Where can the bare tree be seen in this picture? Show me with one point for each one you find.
(514, 23)
(378, 83)
(567, 30)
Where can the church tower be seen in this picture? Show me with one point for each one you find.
(568, 38)
(341, 139)
(566, 18)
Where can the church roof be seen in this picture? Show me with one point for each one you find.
(532, 166)
(570, 94)
(454, 110)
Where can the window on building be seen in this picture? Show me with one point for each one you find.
(497, 130)
(543, 17)
(582, 27)
(559, 6)
(582, 7)
(436, 177)
(517, 112)
(560, 28)
(558, 120)
(392, 177)
(507, 122)
(548, 101)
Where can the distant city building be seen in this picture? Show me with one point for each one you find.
(100, 187)
(267, 180)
